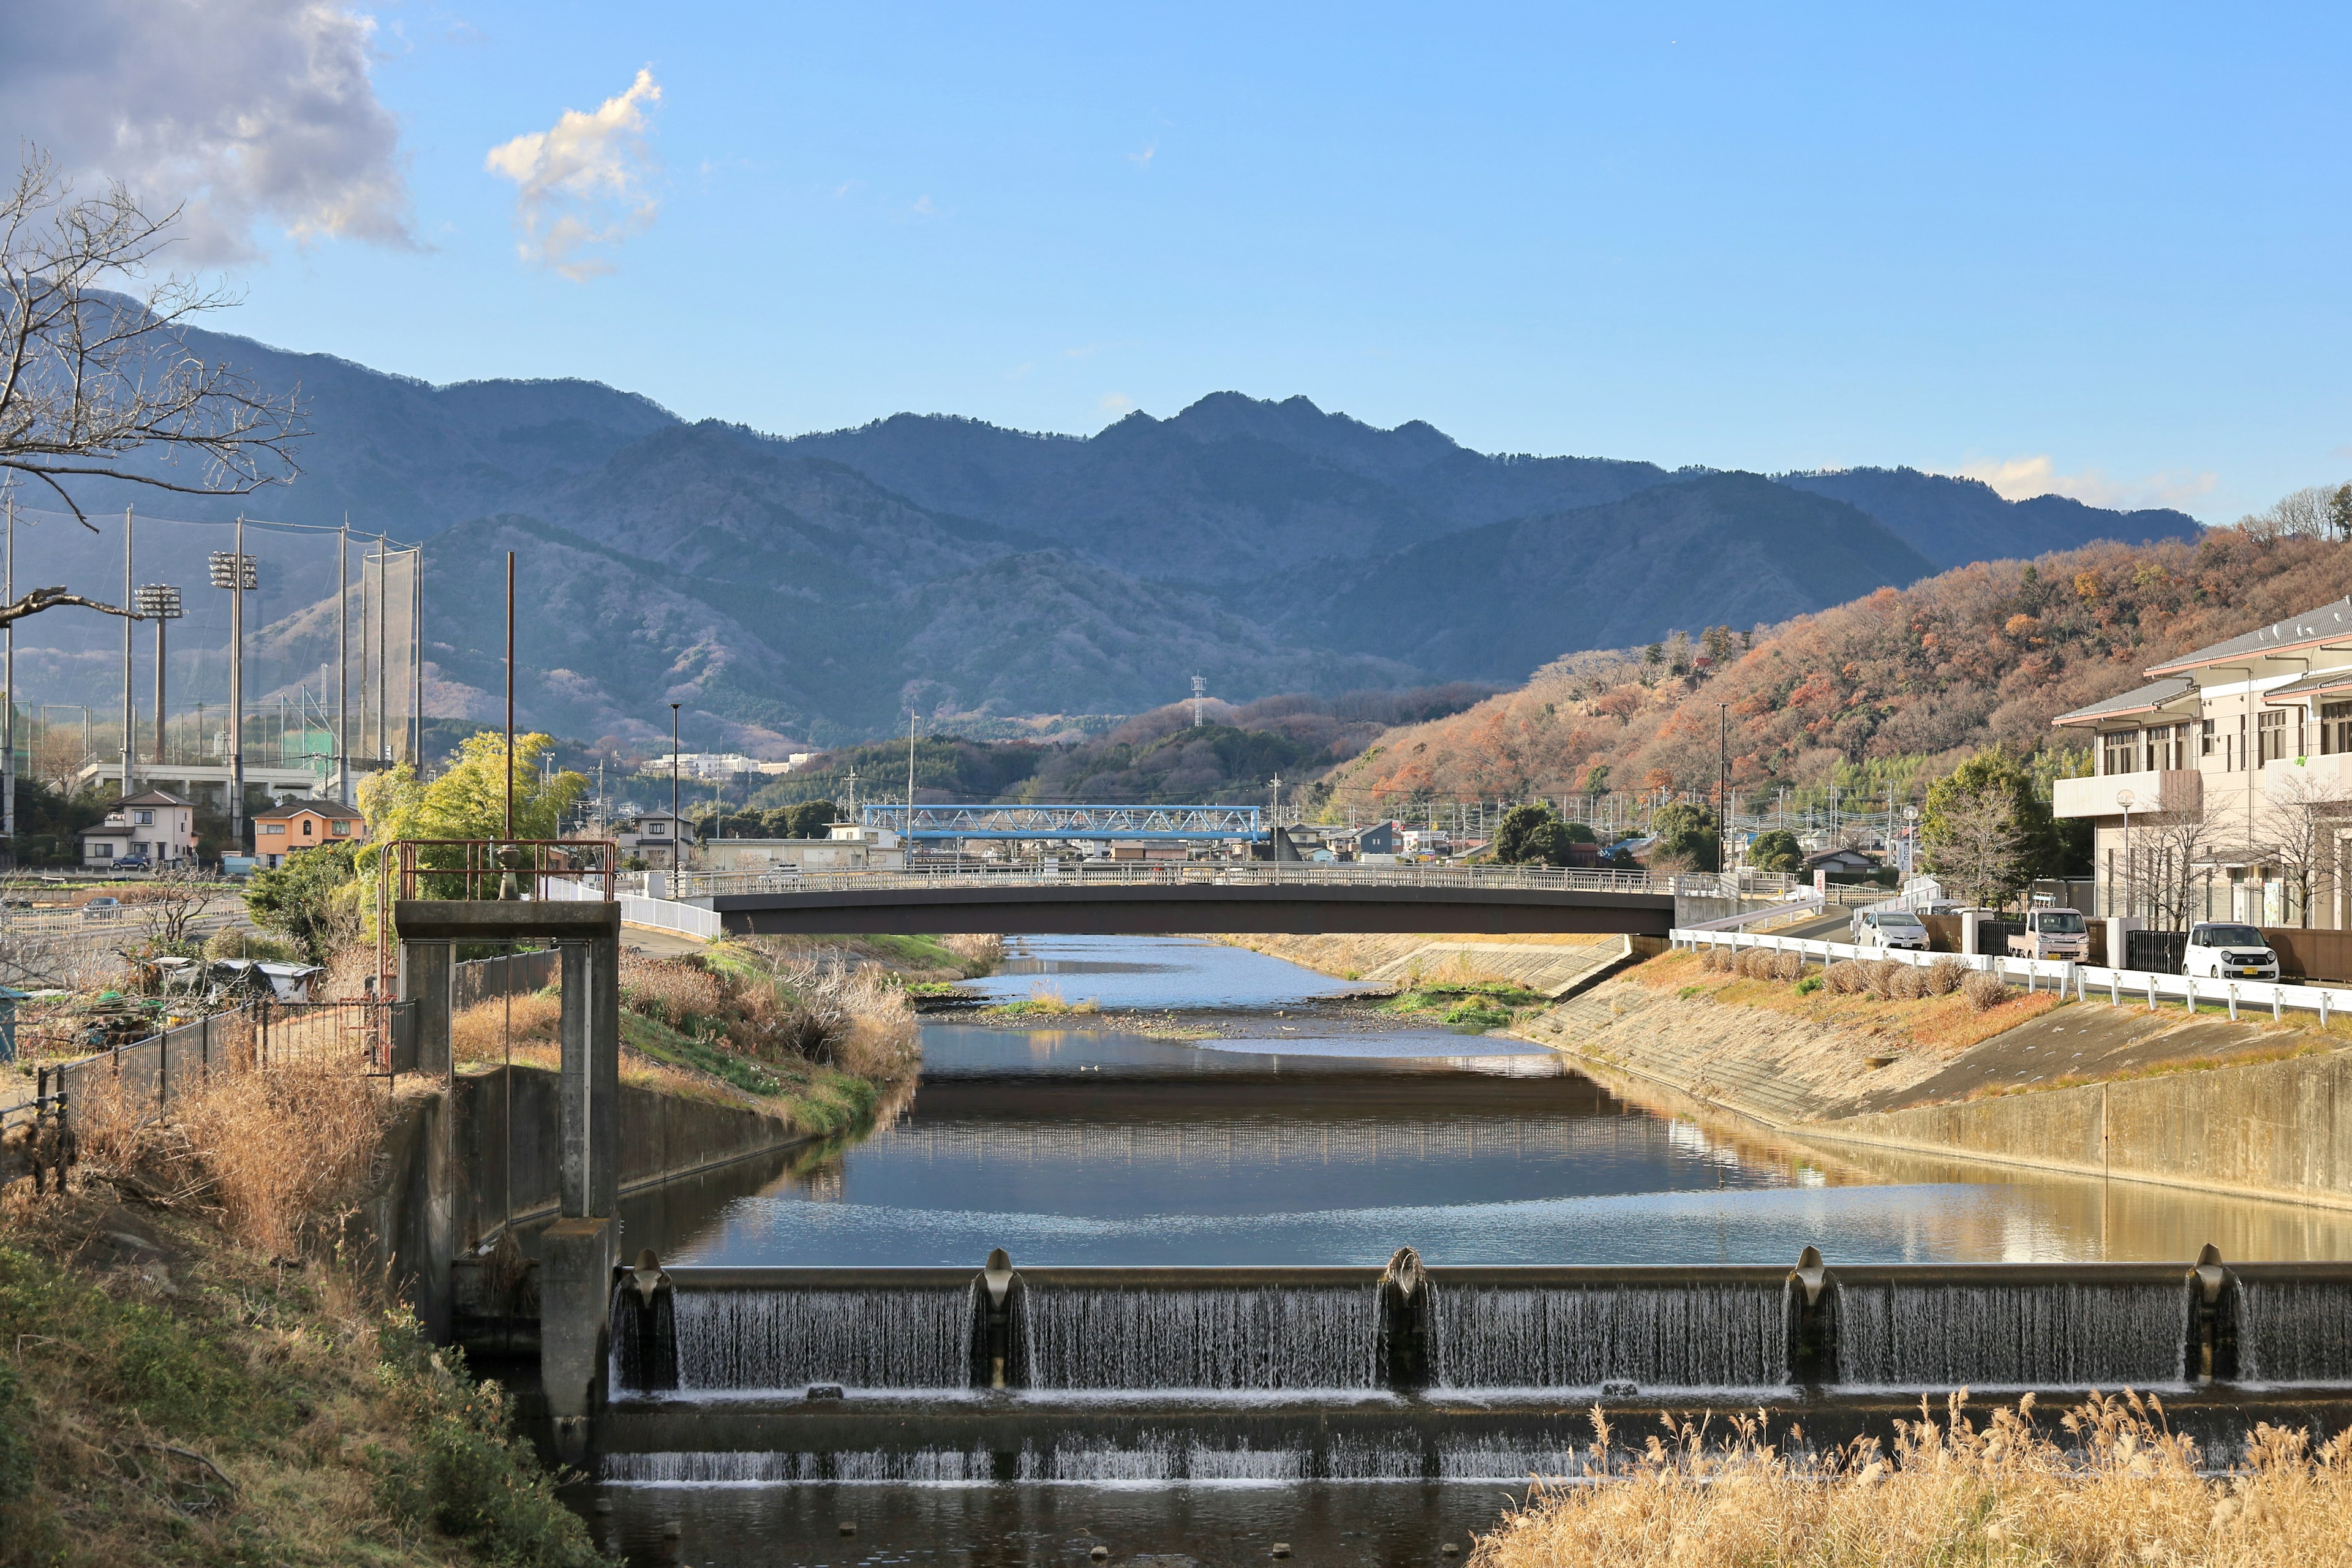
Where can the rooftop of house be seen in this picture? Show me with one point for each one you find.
(2139, 700)
(293, 808)
(154, 798)
(2329, 623)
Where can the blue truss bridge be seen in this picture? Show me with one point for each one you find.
(1224, 824)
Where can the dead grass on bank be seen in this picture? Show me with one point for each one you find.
(1945, 1025)
(281, 1158)
(2109, 1487)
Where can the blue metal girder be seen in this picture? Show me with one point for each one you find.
(1227, 823)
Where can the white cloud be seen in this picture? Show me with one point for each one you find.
(2021, 478)
(247, 111)
(580, 186)
(1143, 160)
(1116, 402)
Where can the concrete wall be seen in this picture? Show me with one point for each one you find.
(435, 1196)
(2273, 1129)
(663, 1136)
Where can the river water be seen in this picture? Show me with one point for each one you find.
(1308, 1134)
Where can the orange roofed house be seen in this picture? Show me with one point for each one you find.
(301, 825)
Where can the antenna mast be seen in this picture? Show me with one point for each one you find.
(1199, 695)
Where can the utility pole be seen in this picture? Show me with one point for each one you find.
(416, 660)
(129, 713)
(343, 661)
(673, 798)
(1274, 837)
(8, 659)
(510, 555)
(908, 847)
(1722, 786)
(384, 644)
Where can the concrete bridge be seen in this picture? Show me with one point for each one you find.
(1138, 900)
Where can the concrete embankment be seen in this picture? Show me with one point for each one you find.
(2164, 1097)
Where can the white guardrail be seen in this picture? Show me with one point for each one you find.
(663, 914)
(2080, 981)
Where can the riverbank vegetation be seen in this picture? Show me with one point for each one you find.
(1929, 1007)
(2106, 1485)
(192, 1368)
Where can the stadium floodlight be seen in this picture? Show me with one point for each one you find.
(159, 602)
(228, 566)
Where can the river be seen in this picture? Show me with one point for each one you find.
(1308, 1132)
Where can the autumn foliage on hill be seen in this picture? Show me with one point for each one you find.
(1988, 654)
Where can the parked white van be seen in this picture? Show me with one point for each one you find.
(2235, 951)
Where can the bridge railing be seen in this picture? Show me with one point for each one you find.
(1684, 884)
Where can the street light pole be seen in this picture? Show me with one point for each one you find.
(2124, 798)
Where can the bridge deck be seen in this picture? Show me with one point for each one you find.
(1075, 907)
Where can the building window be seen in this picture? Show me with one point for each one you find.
(143, 818)
(2122, 753)
(2335, 728)
(2205, 738)
(309, 828)
(276, 828)
(2270, 730)
(2168, 747)
(342, 827)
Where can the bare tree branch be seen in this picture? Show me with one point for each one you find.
(40, 599)
(90, 379)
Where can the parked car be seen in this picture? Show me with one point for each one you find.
(128, 863)
(102, 908)
(2237, 952)
(1889, 929)
(2052, 934)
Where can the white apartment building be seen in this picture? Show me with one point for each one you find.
(2224, 788)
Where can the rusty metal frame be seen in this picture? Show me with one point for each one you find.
(483, 859)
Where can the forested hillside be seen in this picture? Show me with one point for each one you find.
(1984, 655)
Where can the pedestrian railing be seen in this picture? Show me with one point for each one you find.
(1092, 874)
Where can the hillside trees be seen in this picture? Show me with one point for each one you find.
(1684, 839)
(1775, 851)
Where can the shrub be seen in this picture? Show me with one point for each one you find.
(1846, 978)
(15, 1447)
(1945, 976)
(1809, 985)
(1788, 966)
(253, 945)
(1716, 959)
(1984, 990)
(1908, 982)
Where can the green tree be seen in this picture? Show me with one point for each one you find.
(1957, 828)
(313, 899)
(810, 819)
(1596, 779)
(1577, 833)
(1516, 836)
(1686, 837)
(1775, 851)
(468, 801)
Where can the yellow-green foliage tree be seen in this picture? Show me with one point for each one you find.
(465, 800)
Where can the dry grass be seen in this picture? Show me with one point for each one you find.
(1946, 1024)
(1045, 1000)
(980, 950)
(2110, 1488)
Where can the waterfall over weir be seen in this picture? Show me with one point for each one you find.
(1295, 1333)
(1694, 1335)
(1947, 1332)
(1222, 1337)
(743, 1340)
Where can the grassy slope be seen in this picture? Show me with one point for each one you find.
(184, 1400)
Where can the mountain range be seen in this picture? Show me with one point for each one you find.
(815, 588)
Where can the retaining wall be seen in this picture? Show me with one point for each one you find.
(2270, 1129)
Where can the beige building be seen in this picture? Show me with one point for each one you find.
(301, 825)
(849, 848)
(2222, 789)
(153, 826)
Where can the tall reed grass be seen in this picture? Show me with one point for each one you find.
(2110, 1485)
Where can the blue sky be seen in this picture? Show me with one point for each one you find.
(2100, 249)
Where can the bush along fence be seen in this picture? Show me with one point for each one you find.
(2081, 981)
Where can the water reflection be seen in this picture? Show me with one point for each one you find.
(1095, 1146)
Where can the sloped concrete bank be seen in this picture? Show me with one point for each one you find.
(2080, 1089)
(1551, 965)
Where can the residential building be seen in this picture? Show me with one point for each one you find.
(848, 848)
(2222, 789)
(654, 833)
(301, 825)
(153, 826)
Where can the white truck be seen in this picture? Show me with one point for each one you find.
(2052, 934)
